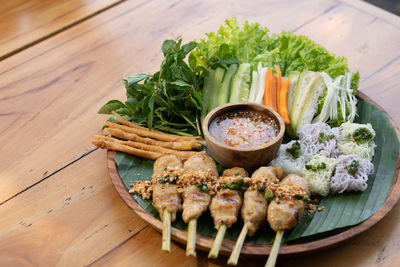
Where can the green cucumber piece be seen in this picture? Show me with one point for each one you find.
(215, 86)
(223, 94)
(206, 92)
(240, 86)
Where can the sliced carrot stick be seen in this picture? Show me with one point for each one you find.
(282, 104)
(278, 83)
(270, 90)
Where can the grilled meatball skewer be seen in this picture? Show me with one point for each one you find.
(225, 204)
(200, 172)
(286, 209)
(264, 181)
(166, 199)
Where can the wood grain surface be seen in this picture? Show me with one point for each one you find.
(51, 90)
(24, 23)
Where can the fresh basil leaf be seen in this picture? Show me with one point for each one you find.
(135, 78)
(111, 105)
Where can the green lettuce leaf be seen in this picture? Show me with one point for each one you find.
(251, 43)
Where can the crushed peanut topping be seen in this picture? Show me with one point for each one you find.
(262, 183)
(198, 177)
(311, 208)
(143, 188)
(289, 193)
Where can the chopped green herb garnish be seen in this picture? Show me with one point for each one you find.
(239, 184)
(362, 135)
(352, 168)
(261, 188)
(202, 187)
(168, 179)
(305, 198)
(294, 150)
(269, 195)
(331, 136)
(320, 166)
(323, 137)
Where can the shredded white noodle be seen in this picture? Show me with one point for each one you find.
(287, 162)
(344, 181)
(318, 138)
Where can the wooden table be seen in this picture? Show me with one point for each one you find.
(61, 60)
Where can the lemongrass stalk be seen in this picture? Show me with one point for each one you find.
(233, 259)
(166, 231)
(191, 241)
(217, 242)
(275, 249)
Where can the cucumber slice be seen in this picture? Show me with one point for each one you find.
(206, 92)
(304, 83)
(214, 89)
(240, 87)
(223, 94)
(310, 106)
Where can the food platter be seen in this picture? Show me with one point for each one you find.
(387, 156)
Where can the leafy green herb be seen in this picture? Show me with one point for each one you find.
(203, 187)
(294, 150)
(169, 100)
(269, 195)
(352, 168)
(362, 135)
(320, 166)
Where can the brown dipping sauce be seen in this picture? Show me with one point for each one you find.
(244, 129)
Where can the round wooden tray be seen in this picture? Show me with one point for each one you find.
(204, 242)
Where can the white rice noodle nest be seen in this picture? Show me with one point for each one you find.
(287, 162)
(308, 137)
(347, 145)
(320, 180)
(344, 181)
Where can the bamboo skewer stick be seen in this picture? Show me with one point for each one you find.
(166, 231)
(233, 259)
(275, 249)
(191, 241)
(217, 242)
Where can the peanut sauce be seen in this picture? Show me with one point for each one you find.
(244, 129)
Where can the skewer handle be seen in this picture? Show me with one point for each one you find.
(166, 231)
(191, 241)
(233, 259)
(275, 249)
(217, 242)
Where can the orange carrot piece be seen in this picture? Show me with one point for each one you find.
(270, 90)
(282, 105)
(278, 83)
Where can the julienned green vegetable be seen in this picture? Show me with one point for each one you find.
(169, 100)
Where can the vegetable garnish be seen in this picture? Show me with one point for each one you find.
(362, 135)
(169, 100)
(294, 150)
(352, 168)
(270, 90)
(282, 101)
(320, 166)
